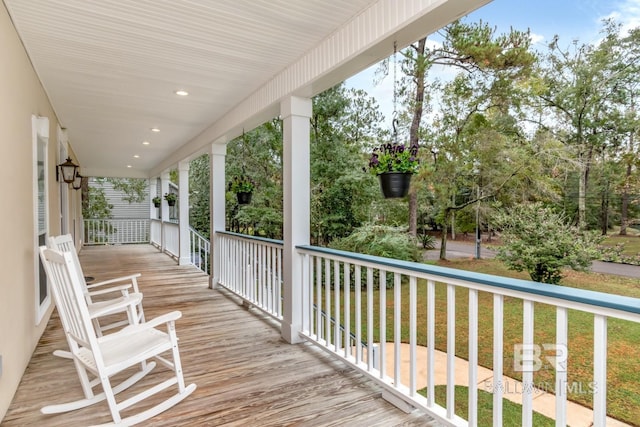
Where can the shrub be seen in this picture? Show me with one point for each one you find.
(428, 241)
(380, 240)
(541, 242)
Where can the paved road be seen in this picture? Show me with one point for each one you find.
(459, 249)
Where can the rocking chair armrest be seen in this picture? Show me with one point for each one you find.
(123, 302)
(130, 278)
(150, 324)
(119, 288)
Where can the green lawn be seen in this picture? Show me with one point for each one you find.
(511, 412)
(623, 384)
(631, 243)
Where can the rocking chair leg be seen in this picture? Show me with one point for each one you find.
(152, 412)
(83, 403)
(63, 353)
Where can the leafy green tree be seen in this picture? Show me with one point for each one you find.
(97, 206)
(134, 189)
(257, 154)
(542, 242)
(199, 193)
(496, 61)
(340, 192)
(580, 87)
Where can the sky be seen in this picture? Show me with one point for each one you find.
(569, 19)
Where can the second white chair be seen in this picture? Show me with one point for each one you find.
(115, 296)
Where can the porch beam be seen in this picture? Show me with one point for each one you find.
(295, 113)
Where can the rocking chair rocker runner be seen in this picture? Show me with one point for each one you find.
(106, 356)
(103, 307)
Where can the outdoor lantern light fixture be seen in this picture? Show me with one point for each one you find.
(77, 182)
(68, 170)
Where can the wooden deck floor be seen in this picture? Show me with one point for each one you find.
(245, 373)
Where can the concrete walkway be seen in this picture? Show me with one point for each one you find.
(544, 403)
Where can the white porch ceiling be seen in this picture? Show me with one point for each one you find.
(111, 67)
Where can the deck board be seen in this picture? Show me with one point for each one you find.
(246, 374)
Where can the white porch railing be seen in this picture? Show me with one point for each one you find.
(200, 248)
(329, 274)
(171, 238)
(343, 322)
(116, 231)
(251, 268)
(156, 232)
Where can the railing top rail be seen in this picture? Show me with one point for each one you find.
(247, 237)
(582, 296)
(194, 231)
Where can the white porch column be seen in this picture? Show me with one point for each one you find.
(183, 213)
(164, 206)
(153, 192)
(296, 113)
(217, 193)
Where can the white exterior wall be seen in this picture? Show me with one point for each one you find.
(22, 97)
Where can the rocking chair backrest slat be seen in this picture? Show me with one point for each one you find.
(64, 243)
(68, 292)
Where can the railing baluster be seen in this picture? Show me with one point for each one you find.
(307, 289)
(347, 308)
(318, 298)
(369, 318)
(397, 328)
(498, 344)
(382, 351)
(336, 294)
(431, 341)
(562, 319)
(599, 370)
(279, 289)
(451, 349)
(527, 374)
(473, 357)
(413, 314)
(327, 302)
(358, 308)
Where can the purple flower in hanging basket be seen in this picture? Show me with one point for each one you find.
(394, 158)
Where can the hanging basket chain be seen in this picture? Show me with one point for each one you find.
(394, 121)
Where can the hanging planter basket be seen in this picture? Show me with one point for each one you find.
(244, 198)
(394, 184)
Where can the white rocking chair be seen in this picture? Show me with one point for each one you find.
(103, 307)
(104, 356)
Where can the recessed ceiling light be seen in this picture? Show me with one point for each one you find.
(129, 166)
(155, 130)
(182, 93)
(145, 143)
(136, 156)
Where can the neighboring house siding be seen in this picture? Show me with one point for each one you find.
(122, 208)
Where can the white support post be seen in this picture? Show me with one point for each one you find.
(153, 192)
(295, 113)
(164, 207)
(183, 214)
(217, 205)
